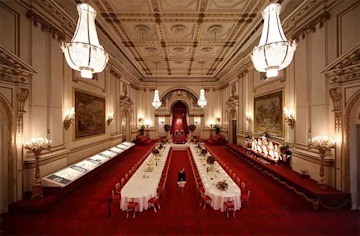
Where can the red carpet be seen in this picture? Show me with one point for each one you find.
(274, 210)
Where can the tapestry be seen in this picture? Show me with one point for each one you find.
(89, 115)
(268, 116)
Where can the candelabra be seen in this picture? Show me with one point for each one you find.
(36, 145)
(323, 144)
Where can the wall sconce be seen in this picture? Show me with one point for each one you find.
(162, 120)
(289, 117)
(110, 117)
(248, 116)
(69, 117)
(147, 123)
(141, 121)
(217, 120)
(197, 120)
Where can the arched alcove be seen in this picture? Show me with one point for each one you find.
(6, 158)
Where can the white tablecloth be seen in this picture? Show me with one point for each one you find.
(209, 180)
(143, 184)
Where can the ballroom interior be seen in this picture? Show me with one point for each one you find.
(181, 73)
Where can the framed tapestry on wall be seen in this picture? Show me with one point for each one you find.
(89, 115)
(268, 114)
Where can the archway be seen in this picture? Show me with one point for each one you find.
(6, 156)
(179, 128)
(352, 150)
(232, 127)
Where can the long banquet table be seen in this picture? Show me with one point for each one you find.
(210, 178)
(143, 184)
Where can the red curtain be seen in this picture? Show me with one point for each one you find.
(179, 125)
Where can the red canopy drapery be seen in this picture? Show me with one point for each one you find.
(179, 125)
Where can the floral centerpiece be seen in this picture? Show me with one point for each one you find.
(155, 151)
(198, 145)
(161, 146)
(210, 160)
(203, 152)
(222, 185)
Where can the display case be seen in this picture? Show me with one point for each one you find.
(66, 176)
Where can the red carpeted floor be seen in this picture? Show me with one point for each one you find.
(274, 210)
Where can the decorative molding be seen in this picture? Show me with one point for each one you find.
(10, 167)
(311, 26)
(22, 95)
(346, 68)
(11, 64)
(335, 94)
(46, 26)
(232, 105)
(303, 10)
(127, 105)
(346, 142)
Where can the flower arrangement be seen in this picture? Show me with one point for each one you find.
(155, 151)
(285, 150)
(167, 127)
(161, 146)
(210, 160)
(192, 128)
(203, 151)
(199, 145)
(222, 185)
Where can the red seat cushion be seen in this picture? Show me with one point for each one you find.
(229, 204)
(132, 205)
(153, 200)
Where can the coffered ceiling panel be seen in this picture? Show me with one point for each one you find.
(179, 5)
(180, 33)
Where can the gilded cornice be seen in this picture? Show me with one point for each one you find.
(346, 68)
(310, 27)
(46, 26)
(52, 8)
(306, 8)
(12, 65)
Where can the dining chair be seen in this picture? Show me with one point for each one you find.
(122, 182)
(153, 202)
(118, 188)
(229, 206)
(206, 199)
(238, 181)
(245, 198)
(132, 206)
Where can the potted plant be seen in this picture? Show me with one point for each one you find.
(286, 153)
(217, 129)
(167, 128)
(142, 130)
(192, 127)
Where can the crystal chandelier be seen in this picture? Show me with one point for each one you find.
(274, 52)
(156, 103)
(202, 100)
(84, 53)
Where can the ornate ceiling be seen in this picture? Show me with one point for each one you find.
(180, 33)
